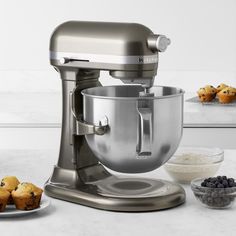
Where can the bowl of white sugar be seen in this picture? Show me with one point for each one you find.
(189, 163)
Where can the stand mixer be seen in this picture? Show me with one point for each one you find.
(131, 128)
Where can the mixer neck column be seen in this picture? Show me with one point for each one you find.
(72, 146)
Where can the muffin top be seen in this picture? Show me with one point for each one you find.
(9, 183)
(26, 189)
(208, 89)
(232, 89)
(228, 91)
(221, 86)
(4, 193)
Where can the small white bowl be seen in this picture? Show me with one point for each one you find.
(189, 163)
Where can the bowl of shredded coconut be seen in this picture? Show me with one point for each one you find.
(189, 163)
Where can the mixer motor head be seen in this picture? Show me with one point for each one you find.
(128, 51)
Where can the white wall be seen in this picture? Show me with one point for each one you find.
(203, 35)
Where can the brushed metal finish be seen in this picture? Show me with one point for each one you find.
(103, 191)
(119, 147)
(101, 38)
(144, 145)
(120, 48)
(125, 51)
(72, 147)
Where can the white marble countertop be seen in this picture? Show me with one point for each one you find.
(64, 218)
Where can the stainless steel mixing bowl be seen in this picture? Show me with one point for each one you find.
(143, 132)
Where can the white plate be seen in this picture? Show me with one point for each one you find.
(11, 210)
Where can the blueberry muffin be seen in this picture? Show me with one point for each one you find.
(27, 196)
(227, 95)
(207, 94)
(234, 91)
(4, 197)
(221, 87)
(9, 183)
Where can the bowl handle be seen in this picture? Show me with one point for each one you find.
(144, 145)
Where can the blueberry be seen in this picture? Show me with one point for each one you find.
(208, 184)
(220, 186)
(213, 185)
(214, 179)
(225, 183)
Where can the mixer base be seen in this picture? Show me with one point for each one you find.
(118, 193)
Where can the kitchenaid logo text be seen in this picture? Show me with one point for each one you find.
(111, 59)
(147, 59)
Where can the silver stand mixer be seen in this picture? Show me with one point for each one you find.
(129, 129)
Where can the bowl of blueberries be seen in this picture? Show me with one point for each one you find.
(215, 192)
